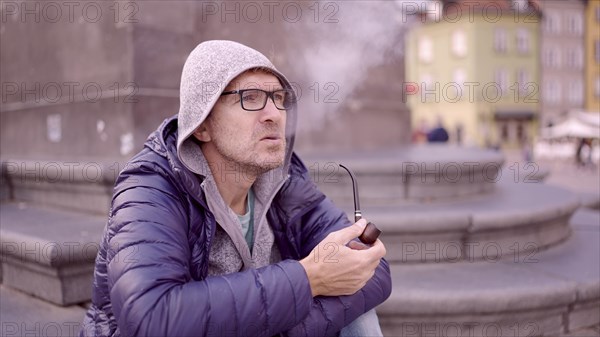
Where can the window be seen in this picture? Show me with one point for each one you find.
(552, 91)
(520, 5)
(558, 60)
(551, 57)
(578, 57)
(576, 92)
(522, 80)
(425, 50)
(570, 59)
(520, 131)
(597, 87)
(504, 131)
(547, 57)
(552, 22)
(575, 23)
(459, 43)
(522, 40)
(501, 78)
(547, 23)
(574, 58)
(500, 40)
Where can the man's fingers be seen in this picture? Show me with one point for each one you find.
(375, 252)
(343, 236)
(357, 245)
(379, 247)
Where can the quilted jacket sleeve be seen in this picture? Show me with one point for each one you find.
(151, 289)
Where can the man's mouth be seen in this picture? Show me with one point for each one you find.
(272, 137)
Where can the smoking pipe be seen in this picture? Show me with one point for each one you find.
(371, 232)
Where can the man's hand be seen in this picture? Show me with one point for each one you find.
(335, 269)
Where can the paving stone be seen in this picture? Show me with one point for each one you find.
(416, 236)
(514, 239)
(584, 315)
(411, 173)
(404, 220)
(430, 248)
(590, 200)
(575, 260)
(375, 187)
(591, 332)
(90, 198)
(585, 218)
(473, 287)
(509, 206)
(514, 219)
(523, 204)
(22, 315)
(535, 323)
(82, 185)
(49, 236)
(63, 285)
(4, 189)
(49, 253)
(557, 290)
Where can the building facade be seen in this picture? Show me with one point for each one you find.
(592, 59)
(562, 60)
(476, 68)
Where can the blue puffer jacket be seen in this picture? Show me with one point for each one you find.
(151, 270)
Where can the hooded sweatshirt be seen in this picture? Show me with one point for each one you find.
(210, 67)
(172, 261)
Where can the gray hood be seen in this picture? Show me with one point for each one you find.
(207, 71)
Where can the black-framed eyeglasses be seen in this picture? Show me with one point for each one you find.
(256, 99)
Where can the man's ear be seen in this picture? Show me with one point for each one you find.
(202, 134)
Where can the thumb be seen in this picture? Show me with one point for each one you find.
(343, 236)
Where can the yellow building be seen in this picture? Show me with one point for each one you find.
(476, 69)
(592, 58)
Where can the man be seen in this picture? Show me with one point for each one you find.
(216, 229)
(438, 134)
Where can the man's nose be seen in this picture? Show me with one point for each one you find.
(270, 112)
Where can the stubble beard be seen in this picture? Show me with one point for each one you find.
(252, 161)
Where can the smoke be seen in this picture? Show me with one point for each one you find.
(337, 52)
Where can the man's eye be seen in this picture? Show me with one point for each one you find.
(250, 97)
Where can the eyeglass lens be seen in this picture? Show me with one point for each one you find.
(255, 99)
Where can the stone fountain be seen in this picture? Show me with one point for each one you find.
(477, 247)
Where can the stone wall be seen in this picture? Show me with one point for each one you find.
(92, 80)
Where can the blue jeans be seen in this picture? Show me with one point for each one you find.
(366, 325)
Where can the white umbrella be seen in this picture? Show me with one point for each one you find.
(591, 118)
(572, 127)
